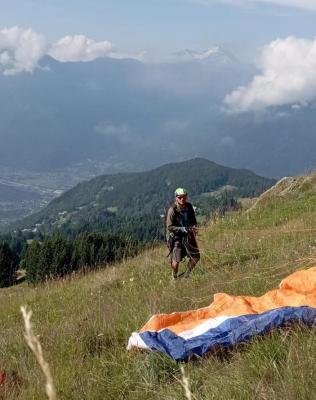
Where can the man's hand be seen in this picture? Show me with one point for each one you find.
(194, 229)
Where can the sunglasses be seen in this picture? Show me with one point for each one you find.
(181, 196)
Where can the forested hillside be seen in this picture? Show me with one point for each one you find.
(134, 203)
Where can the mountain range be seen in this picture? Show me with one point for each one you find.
(125, 115)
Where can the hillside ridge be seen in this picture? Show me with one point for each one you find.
(287, 186)
(132, 203)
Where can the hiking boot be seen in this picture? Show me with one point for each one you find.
(174, 275)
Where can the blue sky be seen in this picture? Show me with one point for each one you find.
(162, 27)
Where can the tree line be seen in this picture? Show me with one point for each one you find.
(57, 256)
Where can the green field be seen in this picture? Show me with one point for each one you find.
(84, 322)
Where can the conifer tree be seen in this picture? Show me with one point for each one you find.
(7, 265)
(31, 262)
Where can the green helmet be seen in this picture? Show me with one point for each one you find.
(181, 192)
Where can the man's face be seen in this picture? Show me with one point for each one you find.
(181, 200)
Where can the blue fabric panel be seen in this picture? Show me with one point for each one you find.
(232, 331)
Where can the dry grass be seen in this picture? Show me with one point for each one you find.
(35, 345)
(185, 384)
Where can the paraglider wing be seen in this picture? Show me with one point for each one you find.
(230, 319)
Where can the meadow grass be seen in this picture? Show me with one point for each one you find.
(84, 321)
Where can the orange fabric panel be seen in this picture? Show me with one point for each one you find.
(301, 281)
(298, 289)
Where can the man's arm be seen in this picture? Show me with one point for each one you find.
(193, 221)
(171, 221)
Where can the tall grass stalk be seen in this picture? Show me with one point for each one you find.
(185, 384)
(35, 345)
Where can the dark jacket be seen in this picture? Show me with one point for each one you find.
(175, 219)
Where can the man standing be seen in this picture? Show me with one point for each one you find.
(181, 227)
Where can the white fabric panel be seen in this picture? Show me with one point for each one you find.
(204, 327)
(136, 341)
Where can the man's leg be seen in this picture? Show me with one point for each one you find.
(194, 256)
(175, 268)
(176, 257)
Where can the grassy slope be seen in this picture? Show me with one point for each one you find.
(84, 323)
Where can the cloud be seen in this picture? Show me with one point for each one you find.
(301, 4)
(298, 4)
(288, 77)
(175, 126)
(227, 141)
(20, 50)
(121, 132)
(122, 56)
(79, 48)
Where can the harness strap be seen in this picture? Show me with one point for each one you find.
(186, 246)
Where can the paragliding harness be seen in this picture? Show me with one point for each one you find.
(184, 240)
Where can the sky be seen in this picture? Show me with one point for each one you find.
(162, 27)
(279, 36)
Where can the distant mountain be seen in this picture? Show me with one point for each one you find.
(133, 203)
(213, 54)
(124, 115)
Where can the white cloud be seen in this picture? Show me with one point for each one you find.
(298, 4)
(288, 77)
(79, 48)
(20, 50)
(121, 56)
(302, 4)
